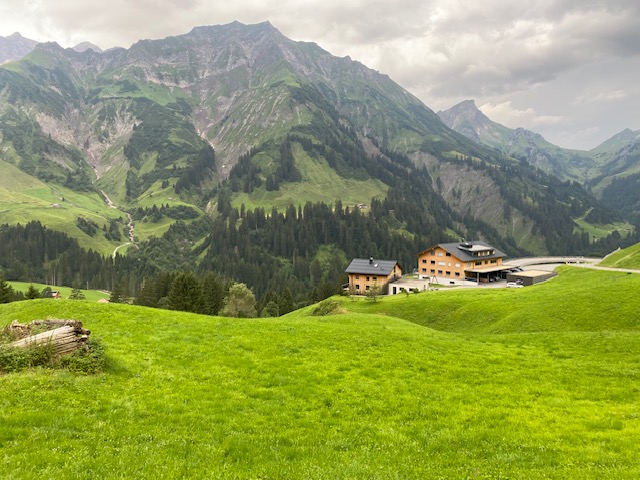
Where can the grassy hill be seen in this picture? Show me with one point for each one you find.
(626, 258)
(528, 385)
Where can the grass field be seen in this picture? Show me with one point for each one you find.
(90, 295)
(625, 258)
(539, 382)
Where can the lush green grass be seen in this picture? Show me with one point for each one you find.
(578, 299)
(625, 258)
(599, 231)
(319, 183)
(358, 395)
(29, 199)
(90, 295)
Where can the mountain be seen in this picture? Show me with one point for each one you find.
(236, 149)
(15, 47)
(81, 47)
(615, 161)
(525, 145)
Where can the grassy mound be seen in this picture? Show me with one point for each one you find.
(577, 300)
(625, 258)
(356, 395)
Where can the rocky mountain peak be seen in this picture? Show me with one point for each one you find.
(14, 47)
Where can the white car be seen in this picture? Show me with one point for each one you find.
(514, 285)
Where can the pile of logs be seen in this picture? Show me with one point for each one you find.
(65, 336)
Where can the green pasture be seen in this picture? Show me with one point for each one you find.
(319, 184)
(65, 292)
(626, 258)
(371, 393)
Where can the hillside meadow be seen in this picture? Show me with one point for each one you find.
(624, 258)
(539, 382)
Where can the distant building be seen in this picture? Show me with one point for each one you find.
(55, 294)
(365, 273)
(471, 260)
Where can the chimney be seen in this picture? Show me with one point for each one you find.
(370, 260)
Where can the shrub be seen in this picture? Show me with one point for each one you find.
(14, 359)
(89, 360)
(327, 307)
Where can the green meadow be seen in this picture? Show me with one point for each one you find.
(65, 292)
(625, 258)
(538, 382)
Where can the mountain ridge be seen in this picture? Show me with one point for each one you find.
(238, 114)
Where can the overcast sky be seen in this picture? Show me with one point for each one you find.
(568, 69)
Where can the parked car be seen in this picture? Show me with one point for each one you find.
(514, 285)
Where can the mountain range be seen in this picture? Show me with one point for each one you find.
(604, 170)
(240, 118)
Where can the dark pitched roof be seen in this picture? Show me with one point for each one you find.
(464, 250)
(371, 266)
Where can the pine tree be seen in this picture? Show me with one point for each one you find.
(32, 293)
(7, 294)
(186, 293)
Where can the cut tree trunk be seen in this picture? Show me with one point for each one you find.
(66, 338)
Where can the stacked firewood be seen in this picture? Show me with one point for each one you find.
(65, 336)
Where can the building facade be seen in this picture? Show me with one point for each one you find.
(460, 261)
(366, 273)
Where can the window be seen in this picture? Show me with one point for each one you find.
(357, 287)
(493, 261)
(368, 278)
(367, 287)
(457, 265)
(433, 271)
(440, 254)
(424, 270)
(357, 277)
(424, 260)
(448, 254)
(375, 278)
(448, 274)
(439, 272)
(457, 274)
(433, 262)
(442, 264)
(479, 262)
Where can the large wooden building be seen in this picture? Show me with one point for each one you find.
(365, 273)
(460, 261)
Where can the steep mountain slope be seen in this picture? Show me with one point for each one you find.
(611, 170)
(276, 121)
(520, 143)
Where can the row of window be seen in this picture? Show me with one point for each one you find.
(375, 278)
(433, 272)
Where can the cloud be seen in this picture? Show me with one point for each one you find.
(613, 95)
(443, 51)
(506, 114)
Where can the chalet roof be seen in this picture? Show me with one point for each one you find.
(371, 266)
(465, 250)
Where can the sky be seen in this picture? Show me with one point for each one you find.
(567, 69)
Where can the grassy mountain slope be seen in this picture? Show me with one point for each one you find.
(626, 258)
(363, 395)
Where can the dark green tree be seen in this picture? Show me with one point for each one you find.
(186, 293)
(213, 292)
(32, 293)
(7, 294)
